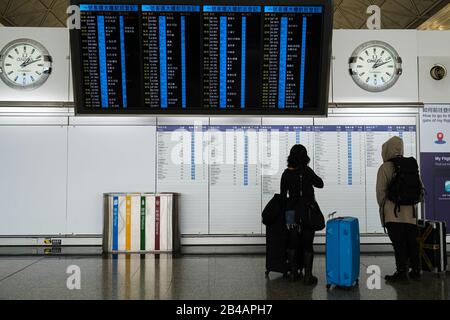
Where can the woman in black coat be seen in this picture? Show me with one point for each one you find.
(297, 186)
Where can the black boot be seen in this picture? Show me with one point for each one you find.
(400, 276)
(292, 264)
(415, 274)
(309, 279)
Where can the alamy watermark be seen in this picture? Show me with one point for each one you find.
(374, 280)
(73, 282)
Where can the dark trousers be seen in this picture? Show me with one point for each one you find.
(404, 241)
(306, 240)
(302, 240)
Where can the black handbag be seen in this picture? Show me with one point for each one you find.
(311, 217)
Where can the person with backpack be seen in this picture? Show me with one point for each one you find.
(297, 188)
(399, 189)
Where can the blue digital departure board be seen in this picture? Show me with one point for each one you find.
(289, 54)
(171, 47)
(110, 65)
(202, 58)
(231, 40)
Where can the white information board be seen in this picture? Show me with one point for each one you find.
(226, 174)
(235, 185)
(347, 155)
(182, 168)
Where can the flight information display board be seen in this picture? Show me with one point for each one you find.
(135, 57)
(230, 57)
(289, 54)
(170, 53)
(227, 173)
(110, 67)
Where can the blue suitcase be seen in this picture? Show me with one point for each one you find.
(342, 252)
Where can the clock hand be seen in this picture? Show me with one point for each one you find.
(380, 64)
(30, 62)
(24, 64)
(376, 63)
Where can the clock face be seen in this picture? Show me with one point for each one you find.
(375, 66)
(25, 64)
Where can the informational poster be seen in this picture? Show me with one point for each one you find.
(435, 161)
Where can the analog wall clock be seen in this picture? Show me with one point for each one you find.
(375, 66)
(25, 64)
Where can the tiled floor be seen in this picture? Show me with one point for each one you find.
(191, 277)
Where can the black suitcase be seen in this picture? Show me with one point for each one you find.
(276, 238)
(433, 245)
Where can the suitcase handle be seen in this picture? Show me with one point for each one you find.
(331, 215)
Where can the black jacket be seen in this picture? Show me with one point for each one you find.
(290, 183)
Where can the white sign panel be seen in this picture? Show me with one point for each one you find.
(375, 65)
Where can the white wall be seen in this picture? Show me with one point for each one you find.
(54, 168)
(106, 159)
(33, 178)
(433, 43)
(433, 48)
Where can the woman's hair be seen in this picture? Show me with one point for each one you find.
(298, 157)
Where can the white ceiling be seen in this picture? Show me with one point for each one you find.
(349, 14)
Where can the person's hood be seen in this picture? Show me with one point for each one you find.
(392, 148)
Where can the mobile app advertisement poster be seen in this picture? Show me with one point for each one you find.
(435, 161)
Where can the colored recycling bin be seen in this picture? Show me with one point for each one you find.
(140, 222)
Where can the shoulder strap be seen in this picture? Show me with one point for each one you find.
(301, 185)
(395, 161)
(383, 217)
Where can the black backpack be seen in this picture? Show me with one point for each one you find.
(406, 187)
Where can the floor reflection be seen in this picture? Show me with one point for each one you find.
(192, 277)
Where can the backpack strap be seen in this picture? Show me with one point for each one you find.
(301, 185)
(383, 217)
(396, 210)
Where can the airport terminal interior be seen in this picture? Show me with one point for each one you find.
(190, 150)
